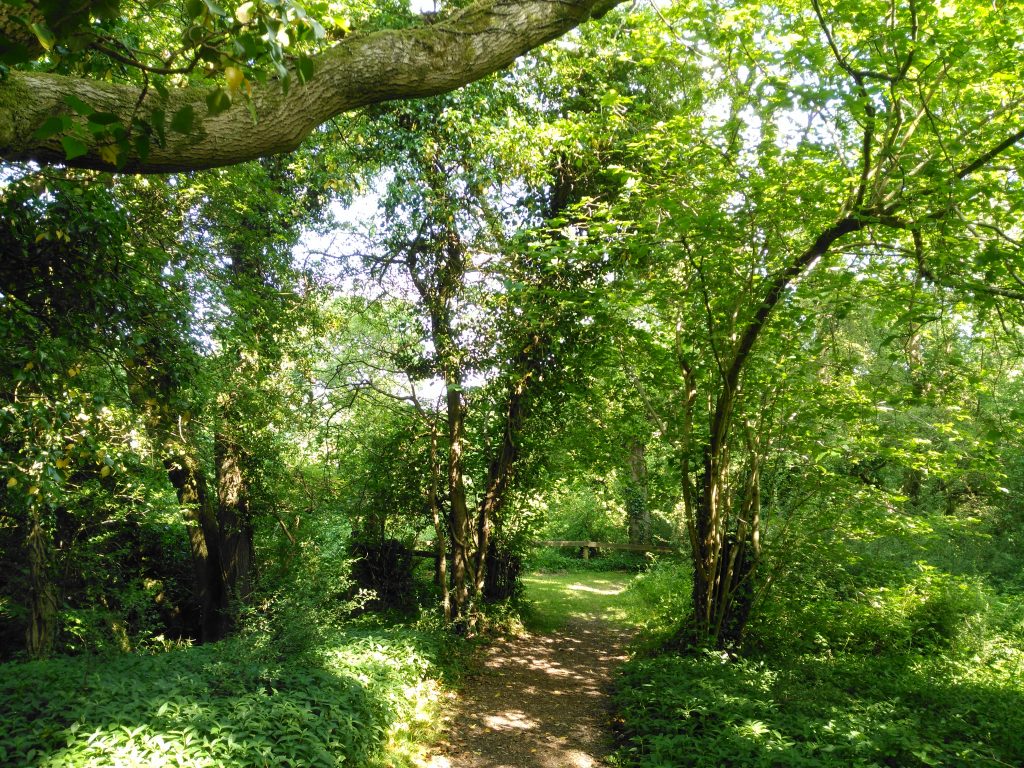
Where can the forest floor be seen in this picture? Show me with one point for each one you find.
(541, 700)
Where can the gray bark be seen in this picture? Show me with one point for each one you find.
(363, 69)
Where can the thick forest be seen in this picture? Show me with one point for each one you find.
(343, 339)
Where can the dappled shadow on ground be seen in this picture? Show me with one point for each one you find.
(538, 701)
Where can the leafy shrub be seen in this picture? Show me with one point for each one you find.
(922, 669)
(581, 512)
(223, 704)
(660, 598)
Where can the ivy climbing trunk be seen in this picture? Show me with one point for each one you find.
(234, 518)
(41, 633)
(638, 513)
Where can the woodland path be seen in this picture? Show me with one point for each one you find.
(538, 700)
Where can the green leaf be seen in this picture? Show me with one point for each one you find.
(305, 69)
(142, 146)
(183, 119)
(158, 119)
(44, 34)
(214, 9)
(194, 8)
(51, 127)
(218, 100)
(161, 87)
(73, 147)
(79, 106)
(106, 10)
(104, 118)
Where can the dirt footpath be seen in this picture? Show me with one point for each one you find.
(538, 701)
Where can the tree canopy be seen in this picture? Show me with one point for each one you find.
(315, 316)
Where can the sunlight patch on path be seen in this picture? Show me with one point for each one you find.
(585, 588)
(538, 701)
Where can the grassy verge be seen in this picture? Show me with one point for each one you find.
(369, 700)
(555, 598)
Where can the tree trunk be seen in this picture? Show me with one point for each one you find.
(204, 542)
(459, 523)
(41, 633)
(439, 531)
(637, 512)
(234, 519)
(499, 473)
(363, 69)
(727, 555)
(724, 530)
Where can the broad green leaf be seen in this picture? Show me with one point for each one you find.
(73, 147)
(217, 101)
(79, 106)
(305, 69)
(44, 34)
(52, 126)
(183, 119)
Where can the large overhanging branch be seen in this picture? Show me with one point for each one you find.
(361, 70)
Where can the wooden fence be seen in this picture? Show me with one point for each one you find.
(586, 546)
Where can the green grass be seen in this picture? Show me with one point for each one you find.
(555, 598)
(370, 700)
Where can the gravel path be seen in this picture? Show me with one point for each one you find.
(538, 701)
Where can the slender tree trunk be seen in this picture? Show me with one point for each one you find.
(726, 539)
(638, 513)
(41, 633)
(204, 542)
(502, 466)
(439, 531)
(460, 523)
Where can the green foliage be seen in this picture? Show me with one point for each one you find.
(583, 512)
(372, 698)
(870, 656)
(898, 709)
(660, 599)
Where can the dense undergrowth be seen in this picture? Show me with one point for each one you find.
(365, 697)
(874, 660)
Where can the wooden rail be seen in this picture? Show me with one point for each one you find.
(586, 546)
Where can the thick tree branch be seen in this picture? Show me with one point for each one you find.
(776, 289)
(361, 70)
